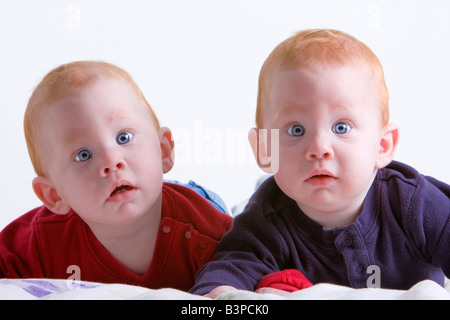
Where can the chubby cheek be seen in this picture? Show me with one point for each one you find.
(147, 167)
(288, 179)
(151, 177)
(290, 159)
(356, 172)
(81, 190)
(147, 158)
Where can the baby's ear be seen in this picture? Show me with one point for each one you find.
(167, 149)
(45, 191)
(388, 144)
(265, 148)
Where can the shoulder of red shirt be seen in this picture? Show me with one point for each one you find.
(185, 205)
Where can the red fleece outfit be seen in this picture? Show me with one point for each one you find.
(41, 244)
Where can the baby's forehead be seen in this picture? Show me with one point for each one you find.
(89, 91)
(298, 89)
(90, 112)
(341, 81)
(112, 80)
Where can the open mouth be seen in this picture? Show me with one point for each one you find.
(121, 192)
(120, 189)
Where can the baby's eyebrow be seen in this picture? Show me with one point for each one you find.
(287, 111)
(300, 108)
(345, 106)
(71, 138)
(118, 116)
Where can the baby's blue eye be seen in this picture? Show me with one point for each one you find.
(83, 155)
(296, 130)
(341, 128)
(124, 137)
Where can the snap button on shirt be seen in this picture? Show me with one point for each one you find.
(359, 269)
(348, 241)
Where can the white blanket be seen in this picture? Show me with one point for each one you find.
(64, 289)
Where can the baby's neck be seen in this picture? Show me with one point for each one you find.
(136, 251)
(133, 246)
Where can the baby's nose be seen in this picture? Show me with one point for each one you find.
(319, 155)
(112, 166)
(319, 148)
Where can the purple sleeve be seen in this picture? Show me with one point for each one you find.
(433, 224)
(252, 249)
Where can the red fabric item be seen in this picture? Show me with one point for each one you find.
(288, 280)
(41, 244)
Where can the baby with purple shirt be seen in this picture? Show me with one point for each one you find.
(338, 208)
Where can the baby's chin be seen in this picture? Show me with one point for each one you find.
(332, 213)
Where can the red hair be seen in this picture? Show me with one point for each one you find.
(324, 47)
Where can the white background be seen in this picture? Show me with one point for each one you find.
(197, 63)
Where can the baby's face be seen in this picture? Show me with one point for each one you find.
(330, 129)
(102, 153)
